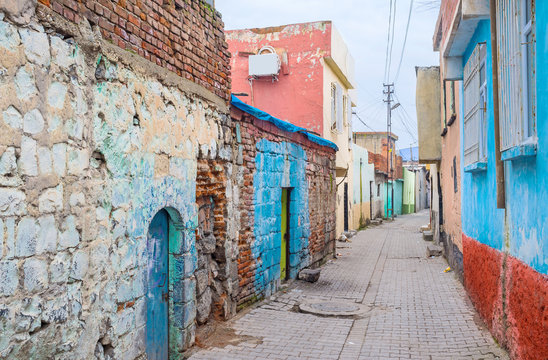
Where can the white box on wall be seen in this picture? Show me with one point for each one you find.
(264, 65)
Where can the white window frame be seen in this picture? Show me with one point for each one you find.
(333, 107)
(483, 120)
(528, 79)
(475, 117)
(349, 120)
(337, 108)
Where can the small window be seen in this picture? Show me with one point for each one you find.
(337, 108)
(333, 106)
(349, 121)
(475, 117)
(378, 190)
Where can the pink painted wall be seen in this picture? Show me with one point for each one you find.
(297, 96)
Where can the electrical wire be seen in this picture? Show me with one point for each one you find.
(363, 122)
(404, 40)
(388, 42)
(392, 42)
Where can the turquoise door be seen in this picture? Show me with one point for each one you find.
(157, 293)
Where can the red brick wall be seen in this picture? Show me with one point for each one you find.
(379, 161)
(184, 36)
(321, 193)
(398, 168)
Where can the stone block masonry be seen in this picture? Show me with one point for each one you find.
(273, 159)
(183, 36)
(94, 141)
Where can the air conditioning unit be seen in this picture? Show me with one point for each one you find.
(268, 64)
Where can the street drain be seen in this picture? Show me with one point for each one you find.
(333, 308)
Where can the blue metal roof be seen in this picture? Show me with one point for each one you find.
(405, 154)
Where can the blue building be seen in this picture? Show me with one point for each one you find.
(504, 170)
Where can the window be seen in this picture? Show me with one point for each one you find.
(475, 117)
(483, 111)
(517, 90)
(337, 108)
(349, 121)
(378, 190)
(528, 54)
(333, 106)
(345, 109)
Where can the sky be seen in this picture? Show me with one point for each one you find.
(364, 26)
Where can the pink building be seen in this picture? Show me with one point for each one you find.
(303, 74)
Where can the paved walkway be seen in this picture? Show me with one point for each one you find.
(417, 310)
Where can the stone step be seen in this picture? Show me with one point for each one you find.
(310, 275)
(428, 235)
(433, 250)
(376, 221)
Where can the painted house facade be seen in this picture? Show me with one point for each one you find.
(287, 195)
(503, 171)
(302, 74)
(388, 182)
(364, 187)
(449, 166)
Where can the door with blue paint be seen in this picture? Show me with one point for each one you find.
(157, 293)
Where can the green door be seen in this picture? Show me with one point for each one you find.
(285, 212)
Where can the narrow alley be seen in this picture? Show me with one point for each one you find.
(234, 179)
(414, 310)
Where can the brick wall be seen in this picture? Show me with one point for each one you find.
(398, 168)
(184, 36)
(379, 161)
(318, 224)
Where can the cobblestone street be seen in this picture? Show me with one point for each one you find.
(416, 310)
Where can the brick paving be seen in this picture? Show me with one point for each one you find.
(417, 310)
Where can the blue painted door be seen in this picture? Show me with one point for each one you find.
(157, 293)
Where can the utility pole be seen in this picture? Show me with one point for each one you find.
(389, 90)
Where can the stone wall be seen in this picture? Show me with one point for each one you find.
(273, 159)
(94, 141)
(217, 272)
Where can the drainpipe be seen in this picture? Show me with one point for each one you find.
(501, 203)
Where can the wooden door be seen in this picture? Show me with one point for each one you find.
(284, 234)
(157, 293)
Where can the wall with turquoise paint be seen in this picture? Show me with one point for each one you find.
(279, 165)
(395, 198)
(110, 144)
(521, 229)
(398, 197)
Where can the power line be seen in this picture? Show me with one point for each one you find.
(404, 40)
(388, 42)
(363, 122)
(392, 42)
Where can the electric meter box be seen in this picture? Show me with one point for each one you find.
(264, 65)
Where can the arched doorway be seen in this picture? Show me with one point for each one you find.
(157, 333)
